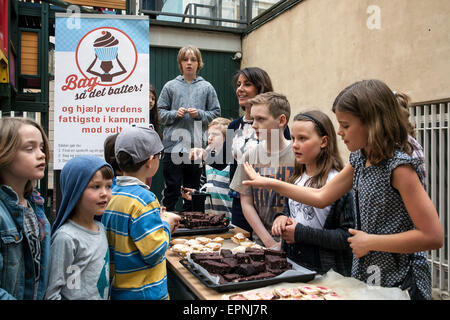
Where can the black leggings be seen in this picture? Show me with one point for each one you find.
(177, 175)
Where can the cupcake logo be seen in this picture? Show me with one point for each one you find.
(108, 54)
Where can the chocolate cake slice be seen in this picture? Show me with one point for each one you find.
(232, 277)
(231, 262)
(255, 254)
(215, 267)
(259, 276)
(271, 252)
(201, 256)
(246, 269)
(242, 258)
(275, 262)
(226, 253)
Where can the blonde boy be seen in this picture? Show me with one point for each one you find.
(273, 157)
(186, 105)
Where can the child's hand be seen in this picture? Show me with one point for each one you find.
(289, 233)
(172, 219)
(279, 225)
(193, 112)
(186, 193)
(181, 112)
(359, 242)
(255, 179)
(197, 154)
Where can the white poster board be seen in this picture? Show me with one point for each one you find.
(101, 81)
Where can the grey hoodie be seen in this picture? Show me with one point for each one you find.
(181, 134)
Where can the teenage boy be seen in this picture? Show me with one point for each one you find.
(273, 157)
(183, 101)
(138, 232)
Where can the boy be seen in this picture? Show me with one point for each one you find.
(217, 181)
(79, 263)
(138, 232)
(273, 157)
(186, 105)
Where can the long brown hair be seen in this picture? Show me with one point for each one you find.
(154, 116)
(10, 143)
(376, 106)
(328, 158)
(404, 101)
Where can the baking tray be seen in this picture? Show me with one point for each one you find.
(193, 232)
(304, 275)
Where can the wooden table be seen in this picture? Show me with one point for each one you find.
(195, 285)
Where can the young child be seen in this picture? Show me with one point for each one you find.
(217, 181)
(395, 219)
(272, 157)
(316, 237)
(184, 101)
(24, 228)
(79, 264)
(138, 232)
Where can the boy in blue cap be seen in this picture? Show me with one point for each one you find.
(79, 256)
(138, 231)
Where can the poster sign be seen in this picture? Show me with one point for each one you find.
(101, 81)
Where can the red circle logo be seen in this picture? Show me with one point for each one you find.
(107, 53)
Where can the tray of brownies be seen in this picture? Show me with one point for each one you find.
(254, 268)
(197, 222)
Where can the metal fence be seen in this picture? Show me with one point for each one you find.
(432, 127)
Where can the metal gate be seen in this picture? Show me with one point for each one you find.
(432, 127)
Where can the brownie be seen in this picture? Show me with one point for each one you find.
(271, 252)
(275, 262)
(231, 262)
(259, 266)
(191, 223)
(226, 253)
(232, 277)
(246, 269)
(275, 271)
(259, 276)
(201, 256)
(255, 254)
(242, 258)
(215, 267)
(217, 219)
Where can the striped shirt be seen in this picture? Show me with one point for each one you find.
(138, 240)
(218, 185)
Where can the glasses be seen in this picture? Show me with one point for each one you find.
(159, 155)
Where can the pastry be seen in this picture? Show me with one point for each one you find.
(282, 293)
(309, 290)
(203, 240)
(294, 292)
(324, 290)
(218, 240)
(238, 238)
(266, 295)
(332, 296)
(251, 296)
(213, 245)
(238, 249)
(178, 241)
